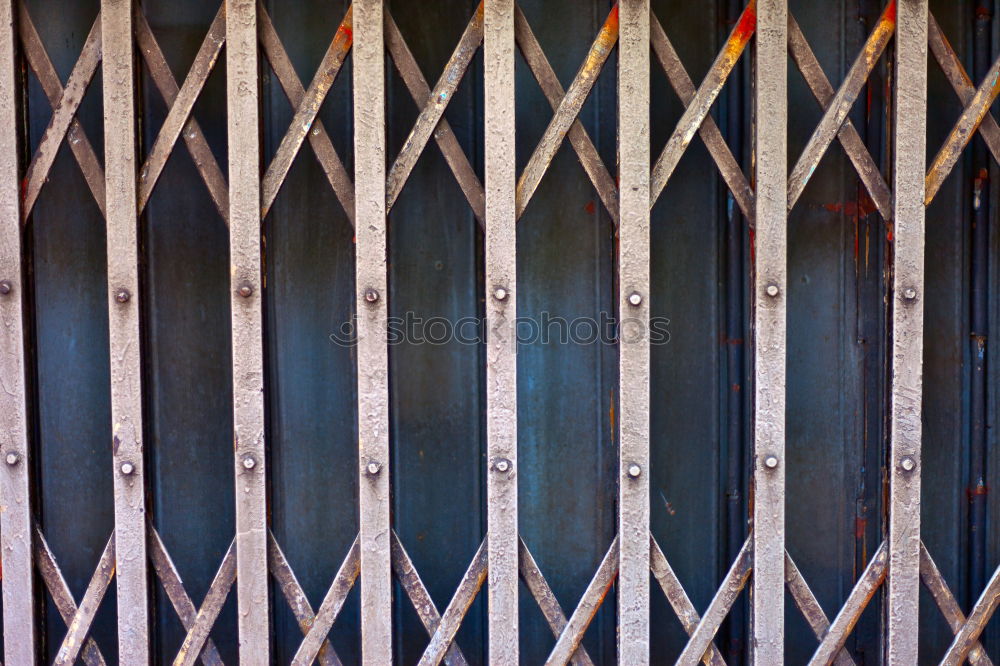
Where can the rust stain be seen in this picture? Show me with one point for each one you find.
(590, 208)
(744, 29)
(862, 207)
(859, 527)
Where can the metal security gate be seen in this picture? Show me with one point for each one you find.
(218, 444)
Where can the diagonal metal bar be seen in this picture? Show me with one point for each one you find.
(972, 117)
(678, 599)
(409, 580)
(857, 601)
(734, 582)
(451, 620)
(709, 131)
(568, 111)
(330, 608)
(966, 638)
(809, 606)
(178, 596)
(840, 105)
(951, 65)
(197, 635)
(849, 138)
(431, 119)
(307, 110)
(700, 105)
(319, 139)
(546, 599)
(65, 103)
(296, 597)
(61, 595)
(934, 582)
(569, 641)
(179, 121)
(549, 83)
(79, 626)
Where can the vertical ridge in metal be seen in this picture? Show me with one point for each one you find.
(907, 330)
(20, 638)
(124, 301)
(634, 358)
(371, 283)
(501, 349)
(247, 332)
(770, 283)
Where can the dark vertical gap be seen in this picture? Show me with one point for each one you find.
(734, 107)
(979, 319)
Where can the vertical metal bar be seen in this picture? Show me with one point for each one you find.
(501, 343)
(123, 330)
(979, 318)
(371, 281)
(247, 331)
(20, 639)
(907, 330)
(771, 114)
(633, 304)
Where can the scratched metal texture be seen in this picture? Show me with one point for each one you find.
(567, 401)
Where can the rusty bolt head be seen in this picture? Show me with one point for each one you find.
(371, 295)
(373, 468)
(245, 290)
(500, 293)
(12, 458)
(6, 287)
(908, 463)
(772, 290)
(771, 461)
(910, 293)
(249, 462)
(502, 465)
(635, 299)
(122, 295)
(634, 470)
(127, 468)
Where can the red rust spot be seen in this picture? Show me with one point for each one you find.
(613, 17)
(590, 208)
(735, 388)
(983, 13)
(888, 234)
(859, 528)
(861, 208)
(346, 31)
(890, 12)
(979, 489)
(745, 27)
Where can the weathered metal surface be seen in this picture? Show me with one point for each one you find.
(732, 585)
(910, 115)
(16, 453)
(443, 637)
(502, 469)
(569, 640)
(246, 298)
(809, 606)
(699, 106)
(633, 337)
(124, 307)
(179, 121)
(371, 285)
(79, 626)
(770, 288)
(315, 640)
(568, 110)
(932, 579)
(967, 637)
(197, 634)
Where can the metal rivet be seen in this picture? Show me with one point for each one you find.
(634, 470)
(122, 296)
(249, 462)
(5, 287)
(908, 463)
(503, 465)
(12, 458)
(909, 293)
(245, 290)
(373, 468)
(635, 299)
(371, 295)
(500, 293)
(771, 462)
(127, 468)
(772, 290)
